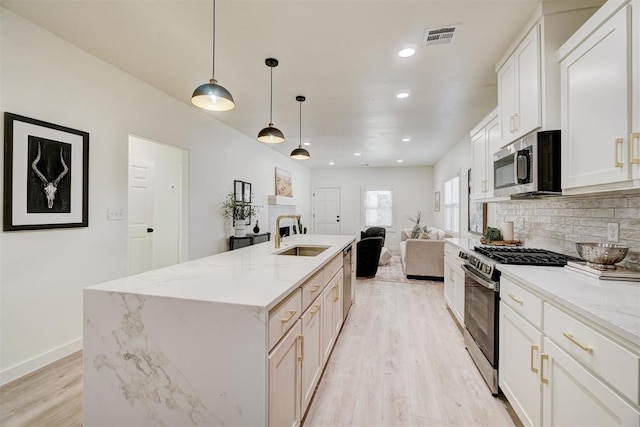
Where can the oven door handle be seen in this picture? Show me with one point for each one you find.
(484, 282)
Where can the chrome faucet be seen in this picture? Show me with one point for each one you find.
(277, 230)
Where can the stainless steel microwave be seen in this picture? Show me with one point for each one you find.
(529, 166)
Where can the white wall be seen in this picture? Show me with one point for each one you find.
(413, 191)
(43, 272)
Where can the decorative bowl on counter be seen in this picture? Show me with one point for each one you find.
(601, 256)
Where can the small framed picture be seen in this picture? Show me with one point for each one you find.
(46, 175)
(436, 202)
(237, 190)
(246, 192)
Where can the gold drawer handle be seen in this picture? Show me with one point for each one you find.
(301, 339)
(515, 122)
(633, 138)
(314, 289)
(291, 314)
(573, 340)
(315, 309)
(618, 143)
(337, 294)
(513, 297)
(543, 357)
(533, 348)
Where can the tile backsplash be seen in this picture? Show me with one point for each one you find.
(557, 223)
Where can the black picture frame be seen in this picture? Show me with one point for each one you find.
(238, 188)
(476, 212)
(46, 175)
(246, 192)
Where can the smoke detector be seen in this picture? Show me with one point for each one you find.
(439, 35)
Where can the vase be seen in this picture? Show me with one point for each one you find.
(240, 230)
(256, 229)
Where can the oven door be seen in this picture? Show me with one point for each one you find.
(481, 312)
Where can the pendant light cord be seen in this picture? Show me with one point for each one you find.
(300, 142)
(213, 49)
(271, 100)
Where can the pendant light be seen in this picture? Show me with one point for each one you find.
(270, 134)
(211, 96)
(300, 153)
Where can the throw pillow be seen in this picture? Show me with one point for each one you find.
(385, 257)
(433, 233)
(415, 232)
(423, 235)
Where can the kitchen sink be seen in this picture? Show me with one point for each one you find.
(300, 250)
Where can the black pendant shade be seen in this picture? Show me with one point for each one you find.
(300, 153)
(271, 134)
(211, 96)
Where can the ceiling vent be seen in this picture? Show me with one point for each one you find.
(440, 35)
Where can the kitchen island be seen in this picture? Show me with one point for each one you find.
(200, 342)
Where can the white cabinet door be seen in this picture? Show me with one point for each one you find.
(507, 100)
(635, 125)
(337, 298)
(494, 143)
(479, 165)
(285, 380)
(572, 396)
(312, 354)
(328, 336)
(527, 115)
(458, 303)
(449, 282)
(519, 359)
(595, 107)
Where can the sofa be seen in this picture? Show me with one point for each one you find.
(423, 257)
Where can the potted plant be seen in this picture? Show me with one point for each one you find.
(416, 219)
(239, 213)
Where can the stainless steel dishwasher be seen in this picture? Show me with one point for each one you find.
(347, 285)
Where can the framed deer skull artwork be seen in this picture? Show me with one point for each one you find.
(46, 175)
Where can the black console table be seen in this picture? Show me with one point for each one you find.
(248, 240)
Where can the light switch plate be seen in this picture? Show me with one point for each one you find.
(612, 232)
(115, 214)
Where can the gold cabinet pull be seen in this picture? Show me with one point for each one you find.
(543, 357)
(315, 309)
(301, 339)
(513, 297)
(511, 125)
(336, 297)
(314, 289)
(289, 317)
(515, 122)
(618, 143)
(633, 139)
(533, 348)
(573, 340)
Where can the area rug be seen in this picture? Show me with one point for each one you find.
(392, 272)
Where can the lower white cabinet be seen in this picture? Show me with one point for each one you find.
(520, 347)
(454, 283)
(331, 314)
(285, 379)
(312, 354)
(555, 370)
(572, 396)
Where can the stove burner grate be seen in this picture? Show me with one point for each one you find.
(525, 256)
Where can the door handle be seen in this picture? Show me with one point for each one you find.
(149, 230)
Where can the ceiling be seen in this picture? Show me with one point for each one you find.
(341, 55)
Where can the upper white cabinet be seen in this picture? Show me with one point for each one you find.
(599, 110)
(529, 73)
(485, 140)
(519, 89)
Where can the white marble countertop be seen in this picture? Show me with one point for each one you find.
(613, 305)
(252, 276)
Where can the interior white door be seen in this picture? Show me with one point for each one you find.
(140, 215)
(326, 211)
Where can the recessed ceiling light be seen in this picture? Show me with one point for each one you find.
(332, 163)
(406, 139)
(399, 161)
(407, 52)
(306, 143)
(356, 154)
(402, 95)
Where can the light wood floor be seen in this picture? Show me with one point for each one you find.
(400, 361)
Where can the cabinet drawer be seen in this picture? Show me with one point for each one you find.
(521, 301)
(312, 288)
(613, 363)
(332, 267)
(284, 316)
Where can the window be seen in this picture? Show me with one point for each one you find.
(452, 205)
(377, 207)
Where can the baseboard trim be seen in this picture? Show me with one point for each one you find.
(24, 368)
